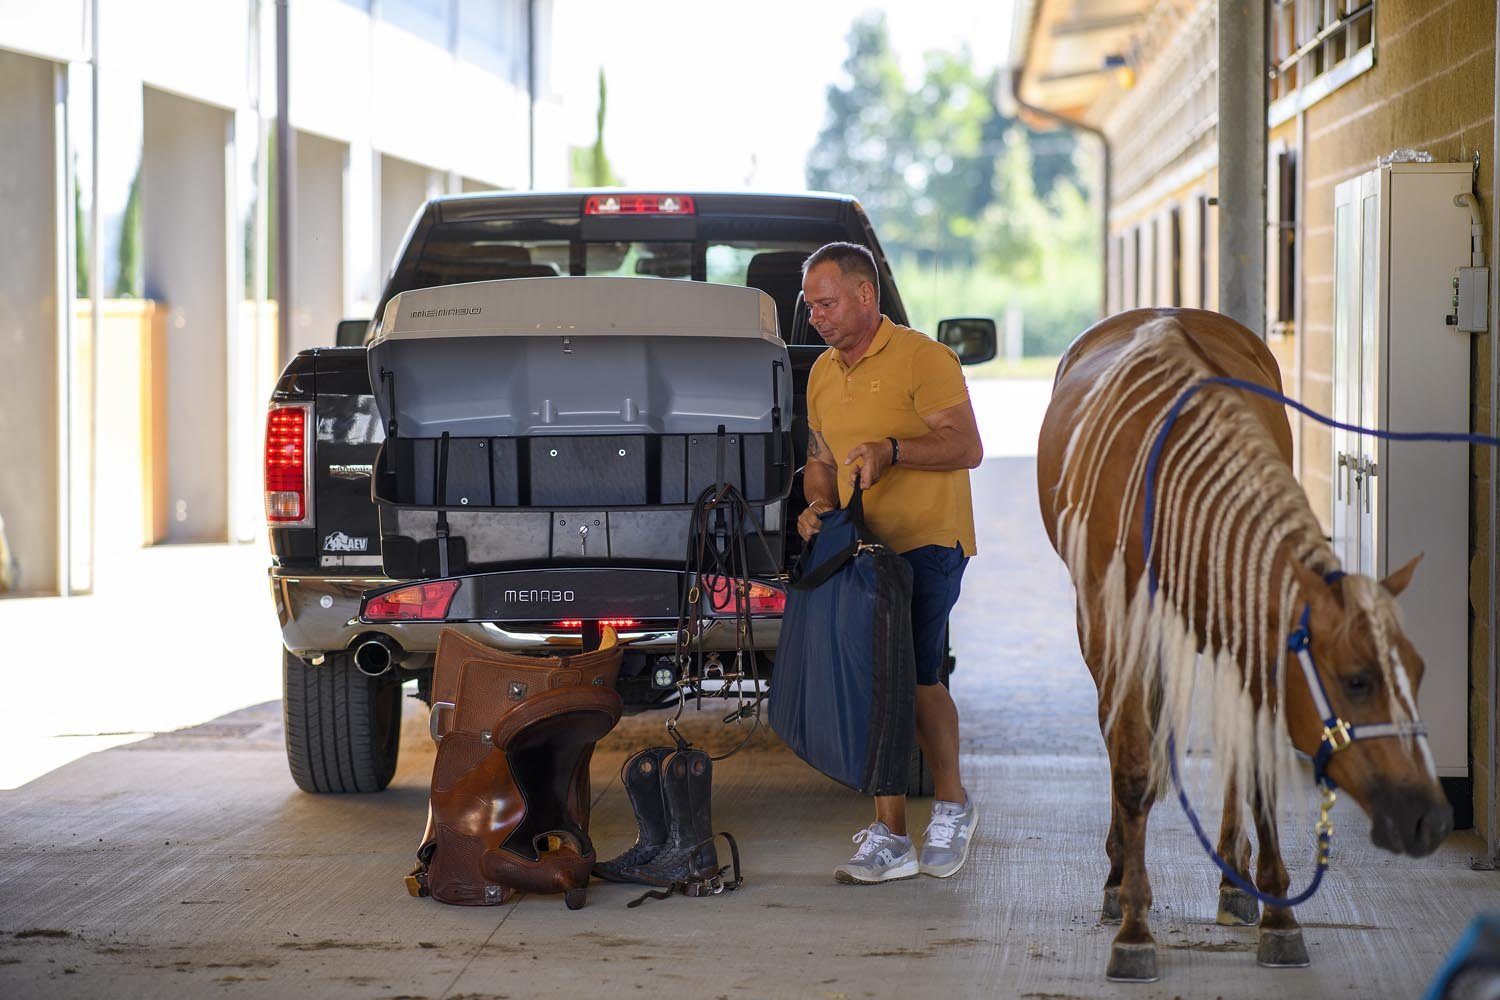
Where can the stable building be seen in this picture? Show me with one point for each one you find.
(137, 184)
(1377, 114)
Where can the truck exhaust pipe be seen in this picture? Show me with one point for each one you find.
(376, 654)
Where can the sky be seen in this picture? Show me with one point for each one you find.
(711, 94)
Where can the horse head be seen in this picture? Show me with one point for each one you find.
(1370, 672)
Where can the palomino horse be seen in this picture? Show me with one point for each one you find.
(1237, 555)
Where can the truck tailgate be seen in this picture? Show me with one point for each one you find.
(349, 434)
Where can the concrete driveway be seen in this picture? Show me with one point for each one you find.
(186, 864)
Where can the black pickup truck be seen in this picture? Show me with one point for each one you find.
(353, 633)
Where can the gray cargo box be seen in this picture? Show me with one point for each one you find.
(527, 409)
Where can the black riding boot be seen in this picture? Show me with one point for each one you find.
(687, 786)
(641, 777)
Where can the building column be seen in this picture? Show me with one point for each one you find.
(30, 498)
(1243, 35)
(187, 176)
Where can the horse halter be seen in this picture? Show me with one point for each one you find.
(1338, 734)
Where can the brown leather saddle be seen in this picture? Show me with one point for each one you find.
(509, 809)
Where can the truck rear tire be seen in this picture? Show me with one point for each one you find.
(343, 729)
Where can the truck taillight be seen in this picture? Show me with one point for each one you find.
(417, 602)
(763, 598)
(639, 204)
(287, 470)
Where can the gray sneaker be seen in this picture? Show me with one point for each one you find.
(882, 857)
(945, 845)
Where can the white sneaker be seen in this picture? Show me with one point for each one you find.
(945, 845)
(882, 857)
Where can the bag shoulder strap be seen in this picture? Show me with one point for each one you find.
(856, 511)
(829, 566)
(836, 562)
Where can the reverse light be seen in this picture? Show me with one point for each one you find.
(287, 470)
(418, 602)
(764, 599)
(639, 204)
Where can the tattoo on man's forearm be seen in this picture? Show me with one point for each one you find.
(815, 446)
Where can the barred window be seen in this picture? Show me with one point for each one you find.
(1175, 226)
(1203, 250)
(1282, 270)
(1311, 40)
(1137, 299)
(1118, 272)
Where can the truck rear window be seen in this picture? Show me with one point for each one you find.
(456, 253)
(639, 259)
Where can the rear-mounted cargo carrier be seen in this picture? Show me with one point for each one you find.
(574, 421)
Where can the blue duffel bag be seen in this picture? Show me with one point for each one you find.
(843, 693)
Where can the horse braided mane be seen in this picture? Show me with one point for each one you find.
(1226, 504)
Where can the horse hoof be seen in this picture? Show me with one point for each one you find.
(1237, 908)
(575, 898)
(1282, 949)
(1132, 963)
(1110, 912)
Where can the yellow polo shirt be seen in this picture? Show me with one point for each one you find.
(903, 377)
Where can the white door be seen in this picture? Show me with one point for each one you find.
(1368, 449)
(1345, 370)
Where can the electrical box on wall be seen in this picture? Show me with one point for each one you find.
(1401, 363)
(1471, 294)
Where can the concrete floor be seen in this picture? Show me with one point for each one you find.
(187, 864)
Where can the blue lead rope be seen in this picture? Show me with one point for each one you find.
(1325, 847)
(1298, 642)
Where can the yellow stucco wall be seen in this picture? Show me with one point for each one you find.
(1432, 88)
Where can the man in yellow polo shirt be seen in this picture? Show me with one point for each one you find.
(888, 405)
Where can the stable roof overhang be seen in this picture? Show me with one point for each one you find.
(1070, 51)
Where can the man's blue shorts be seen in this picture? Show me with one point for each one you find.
(936, 573)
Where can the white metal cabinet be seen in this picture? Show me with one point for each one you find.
(1398, 241)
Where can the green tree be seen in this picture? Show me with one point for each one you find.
(1013, 225)
(921, 159)
(591, 166)
(977, 212)
(80, 241)
(263, 194)
(128, 283)
(861, 150)
(957, 133)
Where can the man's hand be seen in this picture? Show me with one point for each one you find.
(808, 522)
(870, 460)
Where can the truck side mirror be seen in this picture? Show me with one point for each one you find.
(972, 338)
(351, 333)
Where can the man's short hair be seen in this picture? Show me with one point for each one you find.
(853, 261)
